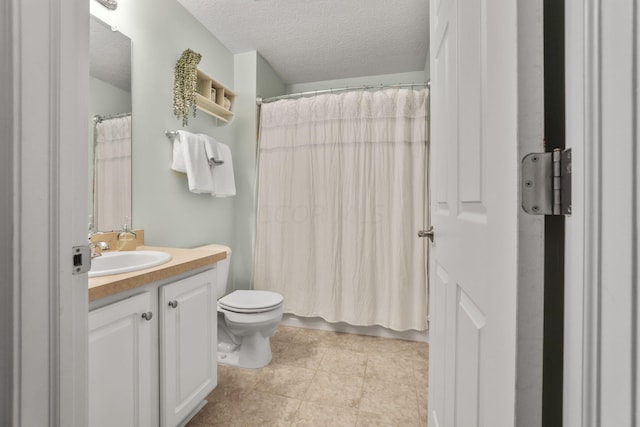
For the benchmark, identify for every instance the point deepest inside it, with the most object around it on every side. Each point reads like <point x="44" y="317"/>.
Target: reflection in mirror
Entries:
<point x="110" y="128"/>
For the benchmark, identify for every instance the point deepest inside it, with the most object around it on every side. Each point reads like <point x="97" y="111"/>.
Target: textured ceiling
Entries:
<point x="314" y="40"/>
<point x="110" y="55"/>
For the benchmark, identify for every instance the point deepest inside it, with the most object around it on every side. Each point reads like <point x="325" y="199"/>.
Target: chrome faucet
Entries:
<point x="97" y="247"/>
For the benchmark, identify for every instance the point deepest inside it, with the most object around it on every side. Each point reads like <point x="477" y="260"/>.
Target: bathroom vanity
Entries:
<point x="153" y="341"/>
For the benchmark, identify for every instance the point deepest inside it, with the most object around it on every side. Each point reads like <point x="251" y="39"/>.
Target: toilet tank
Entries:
<point x="222" y="267"/>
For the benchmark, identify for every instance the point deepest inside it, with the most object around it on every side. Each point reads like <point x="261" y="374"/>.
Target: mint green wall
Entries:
<point x="244" y="163"/>
<point x="410" y="77"/>
<point x="106" y="99"/>
<point x="427" y="69"/>
<point x="268" y="83"/>
<point x="253" y="77"/>
<point x="162" y="204"/>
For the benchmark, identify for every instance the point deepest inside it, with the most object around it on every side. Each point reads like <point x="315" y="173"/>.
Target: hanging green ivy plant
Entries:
<point x="185" y="83"/>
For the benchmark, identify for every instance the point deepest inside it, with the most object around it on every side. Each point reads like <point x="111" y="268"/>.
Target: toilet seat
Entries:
<point x="255" y="319"/>
<point x="244" y="301"/>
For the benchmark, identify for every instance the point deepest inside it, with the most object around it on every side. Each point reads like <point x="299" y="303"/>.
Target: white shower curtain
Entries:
<point x="341" y="194"/>
<point x="112" y="175"/>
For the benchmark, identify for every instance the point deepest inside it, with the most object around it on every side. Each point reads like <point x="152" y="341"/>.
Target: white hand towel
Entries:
<point x="190" y="157"/>
<point x="211" y="147"/>
<point x="224" y="184"/>
<point x="178" y="158"/>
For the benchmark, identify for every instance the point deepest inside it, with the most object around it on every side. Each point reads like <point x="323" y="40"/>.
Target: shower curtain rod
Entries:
<point x="97" y="118"/>
<point x="261" y="101"/>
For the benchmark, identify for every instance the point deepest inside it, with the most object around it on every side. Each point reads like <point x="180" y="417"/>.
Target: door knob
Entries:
<point x="147" y="316"/>
<point x="173" y="304"/>
<point x="426" y="233"/>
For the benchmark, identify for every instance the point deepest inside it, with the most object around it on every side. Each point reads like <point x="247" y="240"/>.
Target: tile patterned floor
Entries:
<point x="321" y="378"/>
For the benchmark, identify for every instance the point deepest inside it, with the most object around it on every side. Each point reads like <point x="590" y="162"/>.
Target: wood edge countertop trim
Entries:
<point x="182" y="261"/>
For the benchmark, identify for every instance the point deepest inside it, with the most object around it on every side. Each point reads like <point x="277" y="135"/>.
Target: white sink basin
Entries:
<point x="124" y="262"/>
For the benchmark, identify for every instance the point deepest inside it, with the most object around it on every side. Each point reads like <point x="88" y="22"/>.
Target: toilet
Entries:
<point x="246" y="320"/>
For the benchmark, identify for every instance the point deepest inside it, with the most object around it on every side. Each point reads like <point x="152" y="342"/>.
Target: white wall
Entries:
<point x="410" y="77"/>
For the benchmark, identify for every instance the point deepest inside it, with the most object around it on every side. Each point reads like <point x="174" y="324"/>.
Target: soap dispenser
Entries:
<point x="126" y="239"/>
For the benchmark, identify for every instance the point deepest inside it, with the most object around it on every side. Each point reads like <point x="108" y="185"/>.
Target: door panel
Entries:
<point x="474" y="181"/>
<point x="469" y="322"/>
<point x="441" y="73"/>
<point x="470" y="110"/>
<point x="439" y="282"/>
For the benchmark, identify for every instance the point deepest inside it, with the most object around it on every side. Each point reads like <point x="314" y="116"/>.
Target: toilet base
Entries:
<point x="254" y="352"/>
<point x="230" y="359"/>
<point x="243" y="339"/>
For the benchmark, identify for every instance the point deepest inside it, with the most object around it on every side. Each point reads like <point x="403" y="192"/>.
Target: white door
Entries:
<point x="120" y="363"/>
<point x="188" y="343"/>
<point x="43" y="84"/>
<point x="602" y="325"/>
<point x="473" y="271"/>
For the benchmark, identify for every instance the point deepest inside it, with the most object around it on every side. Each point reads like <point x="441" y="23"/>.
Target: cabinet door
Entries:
<point x="119" y="364"/>
<point x="188" y="345"/>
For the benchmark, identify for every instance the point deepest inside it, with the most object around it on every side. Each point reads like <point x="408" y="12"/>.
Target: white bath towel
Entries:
<point x="190" y="157"/>
<point x="224" y="184"/>
<point x="211" y="147"/>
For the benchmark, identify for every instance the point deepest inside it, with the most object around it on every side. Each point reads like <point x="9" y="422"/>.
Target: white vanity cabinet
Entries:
<point x="153" y="352"/>
<point x="188" y="346"/>
<point x="120" y="371"/>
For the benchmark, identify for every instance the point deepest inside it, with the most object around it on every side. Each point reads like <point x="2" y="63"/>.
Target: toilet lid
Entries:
<point x="250" y="301"/>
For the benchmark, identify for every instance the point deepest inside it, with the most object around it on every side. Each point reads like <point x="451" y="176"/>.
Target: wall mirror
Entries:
<point x="109" y="128"/>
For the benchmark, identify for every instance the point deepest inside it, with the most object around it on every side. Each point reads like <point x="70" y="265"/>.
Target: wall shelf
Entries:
<point x="214" y="98"/>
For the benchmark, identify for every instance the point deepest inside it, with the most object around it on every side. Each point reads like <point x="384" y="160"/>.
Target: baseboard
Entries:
<point x="376" y="331"/>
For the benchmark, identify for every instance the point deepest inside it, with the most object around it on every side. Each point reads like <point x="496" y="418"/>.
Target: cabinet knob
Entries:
<point x="147" y="316"/>
<point x="173" y="304"/>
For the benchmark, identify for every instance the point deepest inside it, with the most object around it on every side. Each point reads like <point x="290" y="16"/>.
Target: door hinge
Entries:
<point x="81" y="259"/>
<point x="546" y="183"/>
